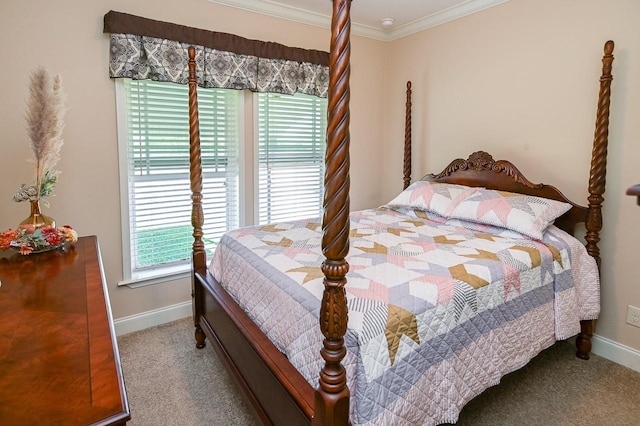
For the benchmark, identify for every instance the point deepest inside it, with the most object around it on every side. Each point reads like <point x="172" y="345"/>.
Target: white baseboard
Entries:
<point x="148" y="319"/>
<point x="616" y="352"/>
<point x="602" y="346"/>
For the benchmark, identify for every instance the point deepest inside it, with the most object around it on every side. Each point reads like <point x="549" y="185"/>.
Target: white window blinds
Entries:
<point x="291" y="146"/>
<point x="157" y="139"/>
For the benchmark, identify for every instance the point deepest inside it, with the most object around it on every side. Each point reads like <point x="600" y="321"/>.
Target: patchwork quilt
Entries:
<point x="438" y="310"/>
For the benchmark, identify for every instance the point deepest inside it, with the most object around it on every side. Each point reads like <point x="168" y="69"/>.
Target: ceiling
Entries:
<point x="409" y="16"/>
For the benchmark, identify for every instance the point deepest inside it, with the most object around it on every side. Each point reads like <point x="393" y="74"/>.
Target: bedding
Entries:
<point x="438" y="307"/>
<point x="521" y="213"/>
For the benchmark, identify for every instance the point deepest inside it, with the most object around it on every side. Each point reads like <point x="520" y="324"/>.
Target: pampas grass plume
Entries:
<point x="45" y="121"/>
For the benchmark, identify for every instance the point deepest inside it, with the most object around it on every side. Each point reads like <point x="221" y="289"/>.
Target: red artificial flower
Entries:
<point x="6" y="237"/>
<point x="51" y="235"/>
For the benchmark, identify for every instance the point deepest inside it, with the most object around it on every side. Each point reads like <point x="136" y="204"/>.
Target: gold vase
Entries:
<point x="37" y="219"/>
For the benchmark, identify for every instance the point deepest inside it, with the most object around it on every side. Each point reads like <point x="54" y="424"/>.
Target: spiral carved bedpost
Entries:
<point x="195" y="174"/>
<point x="195" y="171"/>
<point x="407" y="139"/>
<point x="597" y="185"/>
<point x="332" y="393"/>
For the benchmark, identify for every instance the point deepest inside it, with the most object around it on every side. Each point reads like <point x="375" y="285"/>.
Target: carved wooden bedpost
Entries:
<point x="332" y="393"/>
<point x="407" y="139"/>
<point x="597" y="185"/>
<point x="195" y="171"/>
<point x="199" y="258"/>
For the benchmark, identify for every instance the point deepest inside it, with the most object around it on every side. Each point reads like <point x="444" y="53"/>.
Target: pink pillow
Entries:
<point x="440" y="198"/>
<point x="525" y="214"/>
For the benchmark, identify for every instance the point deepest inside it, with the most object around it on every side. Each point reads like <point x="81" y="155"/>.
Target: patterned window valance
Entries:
<point x="143" y="48"/>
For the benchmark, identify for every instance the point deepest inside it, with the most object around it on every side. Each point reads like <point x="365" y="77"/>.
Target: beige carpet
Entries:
<point x="170" y="382"/>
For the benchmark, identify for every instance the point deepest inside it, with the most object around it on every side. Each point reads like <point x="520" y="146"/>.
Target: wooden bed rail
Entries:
<point x="332" y="394"/>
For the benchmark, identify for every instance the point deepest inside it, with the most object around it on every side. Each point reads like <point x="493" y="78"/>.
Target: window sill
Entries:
<point x="157" y="276"/>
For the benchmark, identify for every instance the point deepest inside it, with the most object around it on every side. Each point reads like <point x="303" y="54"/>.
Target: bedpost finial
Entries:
<point x="409" y="85"/>
<point x="608" y="47"/>
<point x="192" y="52"/>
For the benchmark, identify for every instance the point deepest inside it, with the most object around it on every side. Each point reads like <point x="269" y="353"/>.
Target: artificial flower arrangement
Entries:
<point x="27" y="239"/>
<point x="44" y="115"/>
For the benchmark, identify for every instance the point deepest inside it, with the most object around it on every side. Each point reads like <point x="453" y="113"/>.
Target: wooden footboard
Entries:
<point x="273" y="388"/>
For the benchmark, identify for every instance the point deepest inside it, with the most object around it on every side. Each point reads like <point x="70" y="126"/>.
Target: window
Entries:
<point x="154" y="162"/>
<point x="292" y="132"/>
<point x="155" y="172"/>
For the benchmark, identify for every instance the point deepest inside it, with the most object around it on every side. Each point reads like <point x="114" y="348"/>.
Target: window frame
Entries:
<point x="256" y="156"/>
<point x="159" y="273"/>
<point x="248" y="194"/>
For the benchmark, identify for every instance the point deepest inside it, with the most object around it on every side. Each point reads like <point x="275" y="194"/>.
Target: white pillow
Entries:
<point x="525" y="214"/>
<point x="440" y="198"/>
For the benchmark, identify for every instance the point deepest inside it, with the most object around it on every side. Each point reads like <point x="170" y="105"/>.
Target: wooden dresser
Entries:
<point x="59" y="362"/>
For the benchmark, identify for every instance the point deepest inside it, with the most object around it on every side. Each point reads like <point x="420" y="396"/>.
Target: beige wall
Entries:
<point x="520" y="81"/>
<point x="66" y="37"/>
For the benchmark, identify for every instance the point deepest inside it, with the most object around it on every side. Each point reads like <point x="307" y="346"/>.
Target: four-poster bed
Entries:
<point x="277" y="391"/>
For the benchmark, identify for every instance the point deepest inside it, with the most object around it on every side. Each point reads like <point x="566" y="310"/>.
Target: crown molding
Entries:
<point x="447" y="15"/>
<point x="278" y="10"/>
